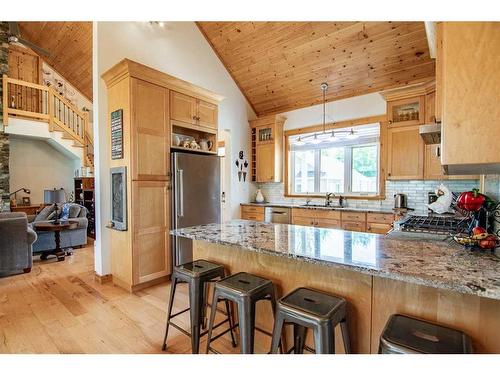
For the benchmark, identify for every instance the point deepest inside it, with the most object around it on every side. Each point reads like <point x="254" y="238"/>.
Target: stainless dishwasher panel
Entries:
<point x="277" y="215"/>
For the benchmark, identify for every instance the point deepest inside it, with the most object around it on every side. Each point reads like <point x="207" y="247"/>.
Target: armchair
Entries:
<point x="16" y="240"/>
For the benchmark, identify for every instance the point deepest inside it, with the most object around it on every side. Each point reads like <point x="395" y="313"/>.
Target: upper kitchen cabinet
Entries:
<point x="405" y="153"/>
<point x="407" y="111"/>
<point x="468" y="96"/>
<point x="192" y="110"/>
<point x="267" y="149"/>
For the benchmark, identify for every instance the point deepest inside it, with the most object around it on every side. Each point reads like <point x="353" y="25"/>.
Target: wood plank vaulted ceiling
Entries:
<point x="279" y="66"/>
<point x="70" y="47"/>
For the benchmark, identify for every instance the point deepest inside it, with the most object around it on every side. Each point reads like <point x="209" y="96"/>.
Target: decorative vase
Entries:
<point x="259" y="198"/>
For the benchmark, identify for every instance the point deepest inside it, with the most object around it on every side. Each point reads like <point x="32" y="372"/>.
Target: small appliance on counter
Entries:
<point x="259" y="198"/>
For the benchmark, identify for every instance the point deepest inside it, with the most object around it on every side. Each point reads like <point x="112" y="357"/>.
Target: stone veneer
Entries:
<point x="4" y="138"/>
<point x="416" y="190"/>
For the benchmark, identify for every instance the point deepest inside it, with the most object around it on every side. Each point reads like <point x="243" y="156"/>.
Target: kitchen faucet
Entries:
<point x="328" y="199"/>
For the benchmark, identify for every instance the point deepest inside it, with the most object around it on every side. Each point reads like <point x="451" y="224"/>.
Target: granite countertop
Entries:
<point x="438" y="264"/>
<point x="313" y="207"/>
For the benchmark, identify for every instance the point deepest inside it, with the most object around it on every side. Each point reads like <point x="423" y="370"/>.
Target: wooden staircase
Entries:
<point x="42" y="103"/>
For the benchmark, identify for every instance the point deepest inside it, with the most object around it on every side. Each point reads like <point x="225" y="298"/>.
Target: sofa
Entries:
<point x="16" y="240"/>
<point x="69" y="238"/>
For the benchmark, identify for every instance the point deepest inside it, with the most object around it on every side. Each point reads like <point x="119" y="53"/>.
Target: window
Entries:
<point x="343" y="163"/>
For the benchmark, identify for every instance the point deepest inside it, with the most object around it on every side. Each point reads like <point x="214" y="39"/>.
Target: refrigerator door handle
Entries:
<point x="180" y="193"/>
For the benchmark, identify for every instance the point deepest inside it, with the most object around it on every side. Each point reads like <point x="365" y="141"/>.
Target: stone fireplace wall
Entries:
<point x="4" y="138"/>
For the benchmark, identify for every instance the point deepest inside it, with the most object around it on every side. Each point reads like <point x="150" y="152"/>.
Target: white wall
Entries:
<point x="37" y="166"/>
<point x="345" y="109"/>
<point x="180" y="50"/>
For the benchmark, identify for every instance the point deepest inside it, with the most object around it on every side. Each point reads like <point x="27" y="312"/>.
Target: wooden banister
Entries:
<point x="34" y="101"/>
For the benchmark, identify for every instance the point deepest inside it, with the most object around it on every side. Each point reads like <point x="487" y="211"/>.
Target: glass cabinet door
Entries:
<point x="265" y="134"/>
<point x="406" y="111"/>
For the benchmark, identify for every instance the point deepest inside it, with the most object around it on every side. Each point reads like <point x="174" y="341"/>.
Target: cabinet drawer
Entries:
<point x="252" y="216"/>
<point x="317" y="214"/>
<point x="356" y="226"/>
<point x="252" y="209"/>
<point x="328" y="223"/>
<point x="378" y="228"/>
<point x="353" y="216"/>
<point x="380" y="218"/>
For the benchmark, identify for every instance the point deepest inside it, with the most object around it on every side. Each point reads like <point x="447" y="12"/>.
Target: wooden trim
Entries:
<point x="128" y="68"/>
<point x="68" y="131"/>
<point x="28" y="84"/>
<point x="382" y="120"/>
<point x="225" y="66"/>
<point x="337" y="125"/>
<point x="103" y="279"/>
<point x="36" y="115"/>
<point x="5" y="87"/>
<point x="187" y="125"/>
<point x="410" y="91"/>
<point x="147" y="284"/>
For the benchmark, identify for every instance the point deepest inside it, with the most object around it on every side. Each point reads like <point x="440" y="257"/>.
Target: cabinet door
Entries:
<point x="406" y="112"/>
<point x="430" y="108"/>
<point x="151" y="131"/>
<point x="378" y="228"/>
<point x="405" y="153"/>
<point x="265" y="134"/>
<point x="151" y="243"/>
<point x="355" y="226"/>
<point x="207" y="114"/>
<point x="439" y="72"/>
<point x="432" y="168"/>
<point x="265" y="163"/>
<point x="328" y="223"/>
<point x="305" y="221"/>
<point x="182" y="107"/>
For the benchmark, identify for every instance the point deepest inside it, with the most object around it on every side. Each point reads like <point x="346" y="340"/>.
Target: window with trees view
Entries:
<point x="344" y="163"/>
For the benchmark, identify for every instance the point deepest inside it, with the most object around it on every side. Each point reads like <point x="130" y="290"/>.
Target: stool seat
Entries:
<point x="244" y="284"/>
<point x="198" y="268"/>
<point x="314" y="302"/>
<point x="405" y="335"/>
<point x="311" y="309"/>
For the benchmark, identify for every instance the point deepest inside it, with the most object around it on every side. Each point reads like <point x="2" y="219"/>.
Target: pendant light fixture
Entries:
<point x="351" y="135"/>
<point x="299" y="142"/>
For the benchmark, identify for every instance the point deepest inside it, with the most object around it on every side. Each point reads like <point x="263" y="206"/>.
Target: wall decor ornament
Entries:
<point x="241" y="166"/>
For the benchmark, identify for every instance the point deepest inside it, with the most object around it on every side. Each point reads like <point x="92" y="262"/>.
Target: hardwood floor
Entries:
<point x="59" y="308"/>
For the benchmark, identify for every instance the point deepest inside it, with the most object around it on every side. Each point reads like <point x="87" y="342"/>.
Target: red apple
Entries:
<point x="478" y="230"/>
<point x="489" y="242"/>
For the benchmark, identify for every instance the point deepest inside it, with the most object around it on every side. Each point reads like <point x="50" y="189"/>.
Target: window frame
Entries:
<point x="382" y="155"/>
<point x="348" y="163"/>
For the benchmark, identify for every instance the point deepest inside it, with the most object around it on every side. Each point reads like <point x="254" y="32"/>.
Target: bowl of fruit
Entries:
<point x="479" y="238"/>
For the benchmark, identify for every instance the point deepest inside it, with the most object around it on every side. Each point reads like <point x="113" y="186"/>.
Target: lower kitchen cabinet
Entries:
<point x="252" y="213"/>
<point x="379" y="228"/>
<point x="355" y="226"/>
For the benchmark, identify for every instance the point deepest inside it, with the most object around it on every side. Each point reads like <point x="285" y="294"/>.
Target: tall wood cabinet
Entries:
<point x="267" y="149"/>
<point x="468" y="94"/>
<point x="141" y="255"/>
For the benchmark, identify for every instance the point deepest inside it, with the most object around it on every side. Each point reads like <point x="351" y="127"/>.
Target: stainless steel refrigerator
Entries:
<point x="196" y="197"/>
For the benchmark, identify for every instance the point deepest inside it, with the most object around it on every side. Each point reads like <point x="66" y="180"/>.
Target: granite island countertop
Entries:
<point x="439" y="264"/>
<point x="318" y="207"/>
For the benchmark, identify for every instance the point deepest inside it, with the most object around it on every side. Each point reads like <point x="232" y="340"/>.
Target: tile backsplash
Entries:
<point x="416" y="190"/>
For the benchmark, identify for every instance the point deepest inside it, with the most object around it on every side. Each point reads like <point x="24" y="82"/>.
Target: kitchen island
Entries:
<point x="378" y="276"/>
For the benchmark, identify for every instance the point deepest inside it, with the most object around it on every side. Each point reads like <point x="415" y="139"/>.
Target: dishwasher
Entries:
<point x="280" y="215"/>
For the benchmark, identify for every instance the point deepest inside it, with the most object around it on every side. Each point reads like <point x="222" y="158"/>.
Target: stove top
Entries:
<point x="434" y="224"/>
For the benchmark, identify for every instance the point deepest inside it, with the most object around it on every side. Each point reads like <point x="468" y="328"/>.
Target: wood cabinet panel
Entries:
<point x="252" y="209"/>
<point x="207" y="114"/>
<point x="265" y="162"/>
<point x="438" y="110"/>
<point x="471" y="93"/>
<point x="405" y="153"/>
<point x="379" y="228"/>
<point x="353" y="216"/>
<point x="380" y="218"/>
<point x="182" y="107"/>
<point x="302" y="220"/>
<point x="328" y="223"/>
<point x="317" y="214"/>
<point x="432" y="168"/>
<point x="356" y="226"/>
<point x="404" y="112"/>
<point x="430" y="108"/>
<point x="252" y="213"/>
<point x="151" y="129"/>
<point x="151" y="250"/>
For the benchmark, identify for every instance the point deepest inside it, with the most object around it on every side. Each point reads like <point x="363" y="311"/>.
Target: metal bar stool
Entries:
<point x="406" y="335"/>
<point x="197" y="275"/>
<point x="307" y="308"/>
<point x="245" y="290"/>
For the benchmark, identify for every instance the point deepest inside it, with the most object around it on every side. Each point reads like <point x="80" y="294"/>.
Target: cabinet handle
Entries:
<point x="438" y="151"/>
<point x="312" y="222"/>
<point x="194" y="117"/>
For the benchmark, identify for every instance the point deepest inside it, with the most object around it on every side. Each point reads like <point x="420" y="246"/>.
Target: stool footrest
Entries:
<point x="179" y="313"/>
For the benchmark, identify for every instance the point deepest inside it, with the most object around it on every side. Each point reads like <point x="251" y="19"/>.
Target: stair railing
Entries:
<point x="33" y="101"/>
